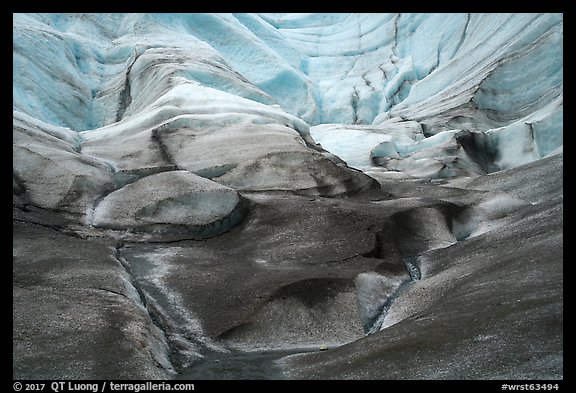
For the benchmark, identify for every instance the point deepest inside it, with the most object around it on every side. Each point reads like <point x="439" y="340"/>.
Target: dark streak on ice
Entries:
<point x="125" y="95"/>
<point x="463" y="36"/>
<point x="354" y="103"/>
<point x="126" y="266"/>
<point x="413" y="268"/>
<point x="164" y="151"/>
<point x="143" y="302"/>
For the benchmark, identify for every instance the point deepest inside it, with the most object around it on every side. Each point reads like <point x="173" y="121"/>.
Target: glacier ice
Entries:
<point x="444" y="72"/>
<point x="373" y="292"/>
<point x="170" y="200"/>
<point x="485" y="215"/>
<point x="141" y="104"/>
<point x="290" y="322"/>
<point x="160" y="127"/>
<point x="50" y="172"/>
<point x="352" y="144"/>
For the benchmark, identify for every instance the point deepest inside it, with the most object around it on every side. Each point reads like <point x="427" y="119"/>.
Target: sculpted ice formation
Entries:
<point x="145" y="105"/>
<point x="50" y="172"/>
<point x="187" y="187"/>
<point x="453" y="72"/>
<point x="168" y="201"/>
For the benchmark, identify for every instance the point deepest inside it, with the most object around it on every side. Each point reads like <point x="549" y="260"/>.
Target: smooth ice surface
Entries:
<point x="351" y="145"/>
<point x="176" y="198"/>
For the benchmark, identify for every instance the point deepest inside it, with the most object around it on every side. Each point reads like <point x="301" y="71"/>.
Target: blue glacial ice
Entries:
<point x="243" y="99"/>
<point x="156" y="127"/>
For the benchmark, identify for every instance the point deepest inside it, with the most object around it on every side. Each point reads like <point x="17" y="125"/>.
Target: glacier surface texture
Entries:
<point x="288" y="196"/>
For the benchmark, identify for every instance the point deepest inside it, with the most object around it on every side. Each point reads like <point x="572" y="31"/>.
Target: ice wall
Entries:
<point x="496" y="77"/>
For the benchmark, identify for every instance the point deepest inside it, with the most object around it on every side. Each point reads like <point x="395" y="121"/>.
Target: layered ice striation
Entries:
<point x="447" y="72"/>
<point x="143" y="99"/>
<point x="103" y="100"/>
<point x="141" y="128"/>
